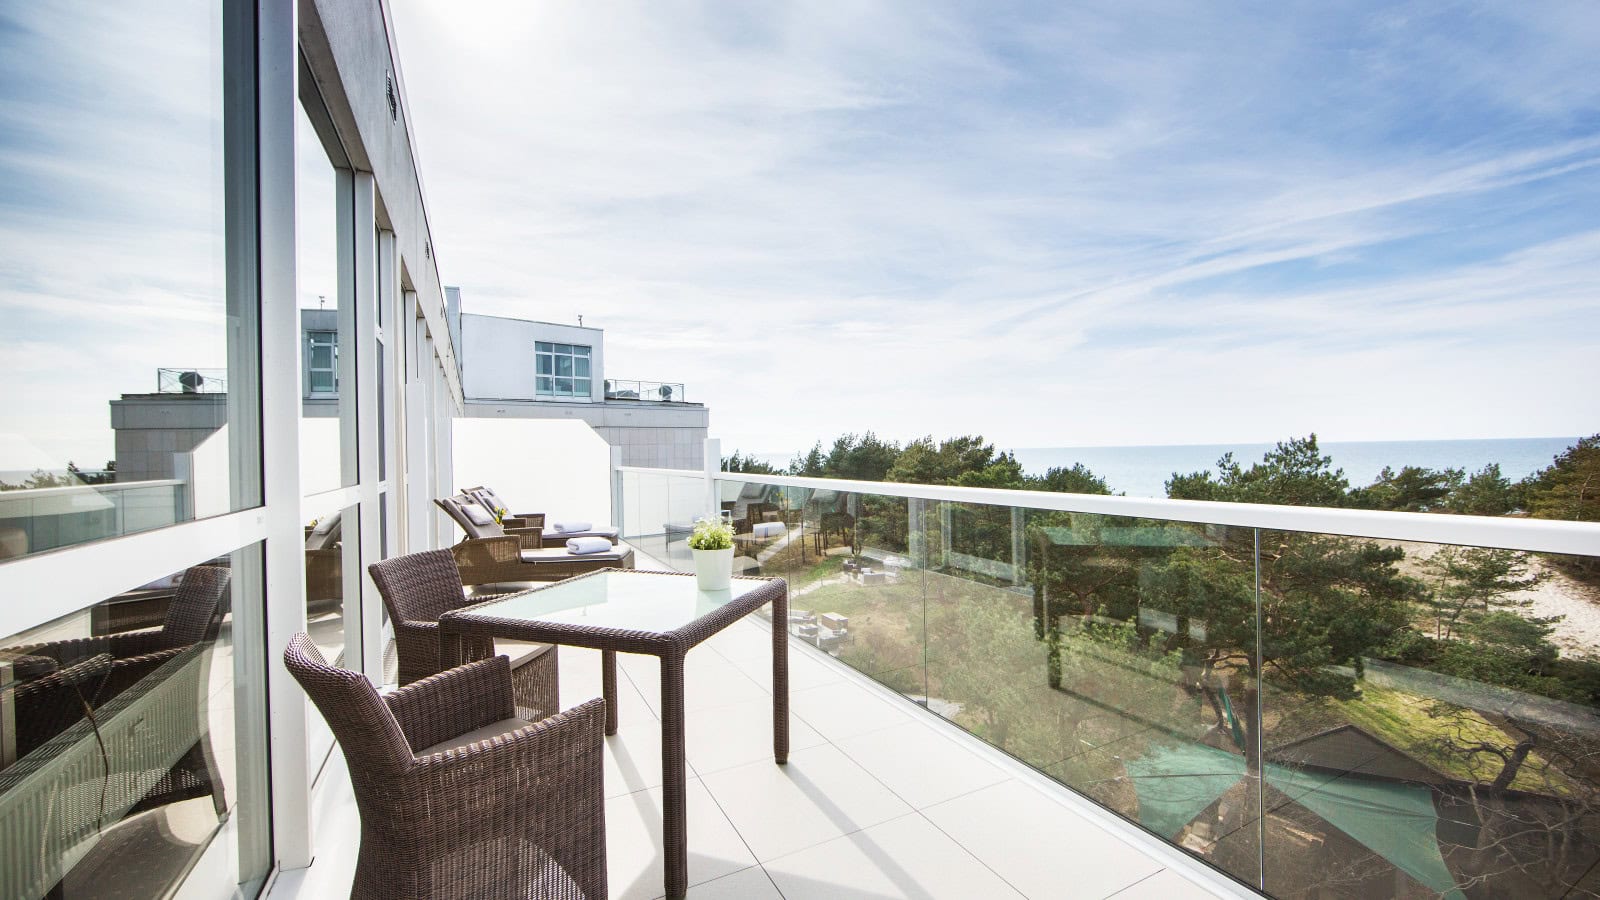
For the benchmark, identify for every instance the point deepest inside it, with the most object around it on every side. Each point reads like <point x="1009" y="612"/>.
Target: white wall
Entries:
<point x="497" y="356"/>
<point x="552" y="466"/>
<point x="209" y="469"/>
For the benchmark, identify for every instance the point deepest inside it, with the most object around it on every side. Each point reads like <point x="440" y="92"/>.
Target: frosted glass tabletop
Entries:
<point x="628" y="601"/>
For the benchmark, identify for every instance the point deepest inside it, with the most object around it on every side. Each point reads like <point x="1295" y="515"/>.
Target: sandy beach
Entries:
<point x="1577" y="634"/>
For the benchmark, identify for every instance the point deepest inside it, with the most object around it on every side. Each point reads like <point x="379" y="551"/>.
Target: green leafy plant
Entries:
<point x="711" y="534"/>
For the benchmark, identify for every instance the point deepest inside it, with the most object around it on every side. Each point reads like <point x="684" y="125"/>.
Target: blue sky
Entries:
<point x="1054" y="224"/>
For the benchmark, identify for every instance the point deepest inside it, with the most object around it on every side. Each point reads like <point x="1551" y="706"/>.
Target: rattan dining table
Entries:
<point x="662" y="614"/>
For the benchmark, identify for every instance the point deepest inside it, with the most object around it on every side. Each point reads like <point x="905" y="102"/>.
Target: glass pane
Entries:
<point x="544" y="385"/>
<point x="1114" y="654"/>
<point x="332" y="575"/>
<point x="580" y="367"/>
<point x="565" y="349"/>
<point x="580" y="387"/>
<point x="580" y="351"/>
<point x="544" y="365"/>
<point x="1439" y="736"/>
<point x="564" y="365"/>
<point x="164" y="682"/>
<point x="542" y="346"/>
<point x="326" y="300"/>
<point x="115" y="202"/>
<point x="563" y="387"/>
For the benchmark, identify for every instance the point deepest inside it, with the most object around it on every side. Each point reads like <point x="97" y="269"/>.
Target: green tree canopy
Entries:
<point x="747" y="463"/>
<point x="1570" y="487"/>
<point x="1294" y="473"/>
<point x="1412" y="489"/>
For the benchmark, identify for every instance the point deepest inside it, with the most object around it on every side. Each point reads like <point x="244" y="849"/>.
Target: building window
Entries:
<point x="322" y="362"/>
<point x="561" y="370"/>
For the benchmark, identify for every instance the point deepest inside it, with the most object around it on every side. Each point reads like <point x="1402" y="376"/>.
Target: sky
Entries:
<point x="1051" y="224"/>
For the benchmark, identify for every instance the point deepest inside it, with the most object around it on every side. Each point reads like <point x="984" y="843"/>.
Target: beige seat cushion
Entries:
<point x="493" y="729"/>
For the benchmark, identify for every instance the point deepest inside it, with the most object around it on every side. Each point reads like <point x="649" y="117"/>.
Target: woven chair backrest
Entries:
<point x="419" y="587"/>
<point x="367" y="731"/>
<point x="195" y="612"/>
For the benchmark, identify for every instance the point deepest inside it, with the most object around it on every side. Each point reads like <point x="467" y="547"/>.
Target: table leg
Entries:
<point x="780" y="679"/>
<point x="608" y="687"/>
<point x="449" y="649"/>
<point x="674" y="817"/>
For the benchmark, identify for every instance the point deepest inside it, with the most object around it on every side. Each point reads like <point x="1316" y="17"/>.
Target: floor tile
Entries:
<point x="1164" y="885"/>
<point x="1038" y="842"/>
<point x="905" y="857"/>
<point x="754" y="659"/>
<point x="634" y="843"/>
<point x="818" y="796"/>
<point x="920" y="765"/>
<point x="581" y="680"/>
<point x="708" y="680"/>
<point x="844" y="710"/>
<point x="746" y="884"/>
<point x="633" y="758"/>
<point x="726" y="736"/>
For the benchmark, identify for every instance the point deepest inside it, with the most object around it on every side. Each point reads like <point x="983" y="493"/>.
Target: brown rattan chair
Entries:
<point x="458" y="798"/>
<point x="194" y="615"/>
<point x="416" y="589"/>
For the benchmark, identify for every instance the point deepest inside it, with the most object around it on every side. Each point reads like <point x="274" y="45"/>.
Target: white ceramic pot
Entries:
<point x="713" y="569"/>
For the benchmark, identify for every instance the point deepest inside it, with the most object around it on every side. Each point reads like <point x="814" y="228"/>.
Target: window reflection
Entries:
<point x="113" y="275"/>
<point x="117" y="737"/>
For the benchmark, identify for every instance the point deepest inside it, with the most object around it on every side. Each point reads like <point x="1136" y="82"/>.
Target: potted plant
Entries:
<point x="712" y="543"/>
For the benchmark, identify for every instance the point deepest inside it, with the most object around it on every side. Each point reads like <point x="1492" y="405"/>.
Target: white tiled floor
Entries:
<point x="880" y="799"/>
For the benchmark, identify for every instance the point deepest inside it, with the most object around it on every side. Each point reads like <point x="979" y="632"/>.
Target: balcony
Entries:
<point x="878" y="799"/>
<point x="652" y="391"/>
<point x="1314" y="701"/>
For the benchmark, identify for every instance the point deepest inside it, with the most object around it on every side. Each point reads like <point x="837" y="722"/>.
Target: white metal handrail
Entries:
<point x="1537" y="535"/>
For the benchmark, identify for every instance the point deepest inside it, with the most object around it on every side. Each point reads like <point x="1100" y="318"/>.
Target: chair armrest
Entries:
<point x="454" y="702"/>
<point x="543" y="784"/>
<point x="66" y="652"/>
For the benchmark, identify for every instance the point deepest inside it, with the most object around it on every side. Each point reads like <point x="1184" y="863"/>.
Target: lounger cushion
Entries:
<point x="477" y="514"/>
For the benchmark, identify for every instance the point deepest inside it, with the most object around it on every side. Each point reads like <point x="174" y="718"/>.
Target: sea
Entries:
<point x="1143" y="471"/>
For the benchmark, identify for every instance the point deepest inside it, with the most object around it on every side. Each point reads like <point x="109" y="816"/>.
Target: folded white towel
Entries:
<point x="582" y="545"/>
<point x="569" y="525"/>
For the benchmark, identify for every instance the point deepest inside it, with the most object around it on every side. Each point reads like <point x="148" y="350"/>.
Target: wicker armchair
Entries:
<point x="194" y="615"/>
<point x="52" y="703"/>
<point x="416" y="589"/>
<point x="458" y="798"/>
